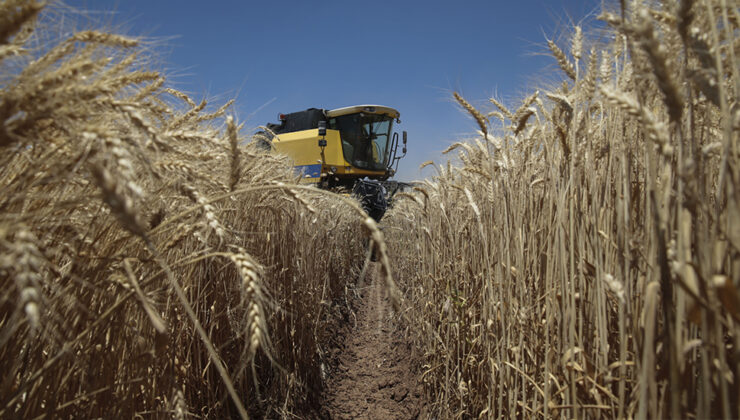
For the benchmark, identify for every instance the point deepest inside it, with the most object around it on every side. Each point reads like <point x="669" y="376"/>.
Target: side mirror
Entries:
<point x="405" y="139"/>
<point x="404" y="150"/>
<point x="322" y="128"/>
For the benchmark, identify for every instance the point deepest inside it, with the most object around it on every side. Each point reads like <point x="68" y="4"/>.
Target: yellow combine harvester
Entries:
<point x="336" y="149"/>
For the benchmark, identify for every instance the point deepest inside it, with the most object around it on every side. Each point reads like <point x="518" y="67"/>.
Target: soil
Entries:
<point x="371" y="375"/>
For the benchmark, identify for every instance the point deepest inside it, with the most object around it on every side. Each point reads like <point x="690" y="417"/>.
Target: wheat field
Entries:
<point x="152" y="261"/>
<point x="579" y="258"/>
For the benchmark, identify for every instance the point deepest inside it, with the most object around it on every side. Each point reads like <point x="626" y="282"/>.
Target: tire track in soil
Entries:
<point x="374" y="378"/>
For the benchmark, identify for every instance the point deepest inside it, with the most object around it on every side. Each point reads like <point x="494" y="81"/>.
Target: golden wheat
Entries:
<point x="122" y="202"/>
<point x="583" y="269"/>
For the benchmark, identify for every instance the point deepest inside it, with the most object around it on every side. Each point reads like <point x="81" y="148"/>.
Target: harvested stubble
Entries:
<point x="585" y="263"/>
<point x="150" y="264"/>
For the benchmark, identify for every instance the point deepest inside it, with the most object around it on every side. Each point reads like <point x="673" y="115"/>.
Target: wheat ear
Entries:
<point x="563" y="61"/>
<point x="231" y="131"/>
<point x="479" y="118"/>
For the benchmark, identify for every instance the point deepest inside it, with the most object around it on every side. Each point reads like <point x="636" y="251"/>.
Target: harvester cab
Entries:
<point x="351" y="149"/>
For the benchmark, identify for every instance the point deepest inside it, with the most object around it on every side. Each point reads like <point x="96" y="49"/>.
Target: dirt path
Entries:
<point x="374" y="377"/>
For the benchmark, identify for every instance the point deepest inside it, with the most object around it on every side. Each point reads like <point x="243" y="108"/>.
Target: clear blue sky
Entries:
<point x="284" y="56"/>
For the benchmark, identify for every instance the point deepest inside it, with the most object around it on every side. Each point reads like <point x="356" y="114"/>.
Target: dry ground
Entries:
<point x="373" y="377"/>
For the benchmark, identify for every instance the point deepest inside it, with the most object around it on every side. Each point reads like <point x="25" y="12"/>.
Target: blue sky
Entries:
<point x="285" y="56"/>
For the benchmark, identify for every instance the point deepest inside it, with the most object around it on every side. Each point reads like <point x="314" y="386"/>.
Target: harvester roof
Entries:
<point x="369" y="109"/>
<point x="309" y="119"/>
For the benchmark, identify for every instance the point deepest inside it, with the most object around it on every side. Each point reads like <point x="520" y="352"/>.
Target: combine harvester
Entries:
<point x="347" y="150"/>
